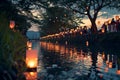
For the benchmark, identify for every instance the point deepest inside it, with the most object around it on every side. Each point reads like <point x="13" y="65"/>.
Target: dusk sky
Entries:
<point x="104" y="15"/>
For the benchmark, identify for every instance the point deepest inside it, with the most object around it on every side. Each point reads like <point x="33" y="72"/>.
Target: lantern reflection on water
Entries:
<point x="31" y="75"/>
<point x="118" y="72"/>
<point x="31" y="58"/>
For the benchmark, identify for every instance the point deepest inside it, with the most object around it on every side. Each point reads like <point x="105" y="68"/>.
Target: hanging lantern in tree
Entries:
<point x="12" y="24"/>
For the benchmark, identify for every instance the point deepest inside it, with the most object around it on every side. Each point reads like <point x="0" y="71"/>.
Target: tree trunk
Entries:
<point x="93" y="26"/>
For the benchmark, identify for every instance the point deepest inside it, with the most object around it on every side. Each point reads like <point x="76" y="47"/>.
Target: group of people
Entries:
<point x="111" y="26"/>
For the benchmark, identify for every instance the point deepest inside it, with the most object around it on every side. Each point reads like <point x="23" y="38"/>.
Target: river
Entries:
<point x="67" y="62"/>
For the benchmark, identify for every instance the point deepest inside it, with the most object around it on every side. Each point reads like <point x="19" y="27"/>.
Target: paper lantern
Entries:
<point x="32" y="58"/>
<point x="12" y="24"/>
<point x="31" y="75"/>
<point x="102" y="30"/>
<point x="110" y="65"/>
<point x="80" y="32"/>
<point x="87" y="43"/>
<point x="117" y="17"/>
<point x="29" y="44"/>
<point x="118" y="72"/>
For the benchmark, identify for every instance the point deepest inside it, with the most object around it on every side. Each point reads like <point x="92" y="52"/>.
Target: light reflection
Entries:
<point x="104" y="63"/>
<point x="31" y="75"/>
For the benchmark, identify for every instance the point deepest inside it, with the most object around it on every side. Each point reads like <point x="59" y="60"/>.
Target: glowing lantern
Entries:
<point x="80" y="32"/>
<point x="12" y="24"/>
<point x="110" y="65"/>
<point x="103" y="56"/>
<point x="29" y="44"/>
<point x="117" y="17"/>
<point x="87" y="43"/>
<point x="31" y="58"/>
<point x="102" y="30"/>
<point x="31" y="75"/>
<point x="118" y="72"/>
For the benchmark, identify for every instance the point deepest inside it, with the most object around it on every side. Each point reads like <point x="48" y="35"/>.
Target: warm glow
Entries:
<point x="103" y="56"/>
<point x="32" y="58"/>
<point x="118" y="72"/>
<point x="102" y="30"/>
<point x="81" y="33"/>
<point x="87" y="43"/>
<point x="31" y="64"/>
<point x="110" y="65"/>
<point x="29" y="44"/>
<point x="31" y="75"/>
<point x="12" y="24"/>
<point x="117" y="17"/>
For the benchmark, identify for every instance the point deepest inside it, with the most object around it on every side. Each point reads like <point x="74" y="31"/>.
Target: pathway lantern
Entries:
<point x="32" y="58"/>
<point x="12" y="24"/>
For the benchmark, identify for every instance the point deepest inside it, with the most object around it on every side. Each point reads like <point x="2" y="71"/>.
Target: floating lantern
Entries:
<point x="31" y="58"/>
<point x="12" y="24"/>
<point x="29" y="44"/>
<point x="110" y="65"/>
<point x="118" y="72"/>
<point x="98" y="22"/>
<point x="117" y="17"/>
<point x="102" y="30"/>
<point x="103" y="55"/>
<point x="80" y="32"/>
<point x="87" y="43"/>
<point x="31" y="75"/>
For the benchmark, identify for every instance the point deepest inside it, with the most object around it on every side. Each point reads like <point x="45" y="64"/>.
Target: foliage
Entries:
<point x="12" y="50"/>
<point x="59" y="19"/>
<point x="90" y="8"/>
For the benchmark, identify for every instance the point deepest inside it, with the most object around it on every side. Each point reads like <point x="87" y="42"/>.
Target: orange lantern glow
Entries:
<point x="102" y="30"/>
<point x="31" y="75"/>
<point x="117" y="17"/>
<point x="29" y="44"/>
<point x="80" y="32"/>
<point x="32" y="58"/>
<point x="118" y="72"/>
<point x="12" y="24"/>
<point x="103" y="55"/>
<point x="87" y="43"/>
<point x="110" y="65"/>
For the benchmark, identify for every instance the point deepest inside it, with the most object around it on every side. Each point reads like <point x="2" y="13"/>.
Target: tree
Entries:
<point x="59" y="19"/>
<point x="90" y="8"/>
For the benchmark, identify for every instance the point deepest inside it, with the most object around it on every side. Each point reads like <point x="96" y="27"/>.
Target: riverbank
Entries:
<point x="104" y="39"/>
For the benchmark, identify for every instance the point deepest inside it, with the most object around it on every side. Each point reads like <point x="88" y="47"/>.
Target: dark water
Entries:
<point x="65" y="62"/>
